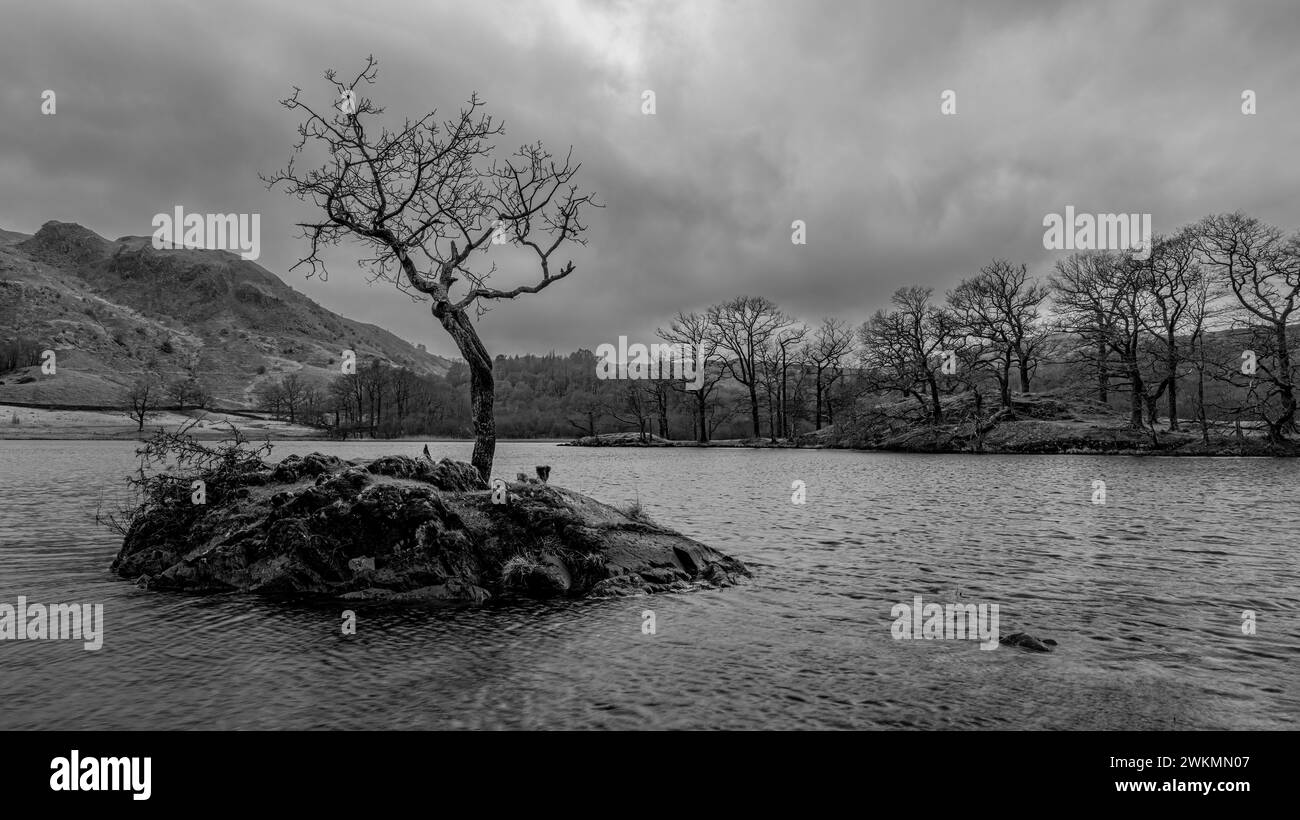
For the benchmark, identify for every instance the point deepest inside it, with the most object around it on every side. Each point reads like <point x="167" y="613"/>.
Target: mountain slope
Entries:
<point x="115" y="309"/>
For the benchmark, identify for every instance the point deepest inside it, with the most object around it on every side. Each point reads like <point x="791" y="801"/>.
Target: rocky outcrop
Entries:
<point x="620" y="440"/>
<point x="1034" y="424"/>
<point x="400" y="528"/>
<point x="1024" y="640"/>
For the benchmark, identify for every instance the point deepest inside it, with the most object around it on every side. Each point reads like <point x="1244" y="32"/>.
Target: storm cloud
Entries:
<point x="766" y="113"/>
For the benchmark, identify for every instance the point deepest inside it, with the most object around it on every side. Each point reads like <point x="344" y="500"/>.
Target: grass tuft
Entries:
<point x="517" y="569"/>
<point x="636" y="512"/>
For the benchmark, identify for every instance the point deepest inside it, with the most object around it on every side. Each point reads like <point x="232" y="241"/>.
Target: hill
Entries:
<point x="113" y="310"/>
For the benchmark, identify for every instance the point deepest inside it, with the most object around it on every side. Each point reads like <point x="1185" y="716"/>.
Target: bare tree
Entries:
<point x="661" y="400"/>
<point x="589" y="397"/>
<point x="903" y="349"/>
<point x="1000" y="310"/>
<point x="632" y="404"/>
<point x="373" y="382"/>
<point x="777" y="357"/>
<point x="313" y="404"/>
<point x="270" y="397"/>
<point x="1262" y="269"/>
<point x="431" y="193"/>
<point x="591" y="406"/>
<point x="188" y="390"/>
<point x="143" y="397"/>
<point x="696" y="332"/>
<point x="292" y="393"/>
<point x="831" y="343"/>
<point x="741" y="328"/>
<point x="1174" y="278"/>
<point x="1102" y="296"/>
<point x="1204" y="307"/>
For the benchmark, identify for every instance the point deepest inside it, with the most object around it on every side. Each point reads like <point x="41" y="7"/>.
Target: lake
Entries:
<point x="1144" y="594"/>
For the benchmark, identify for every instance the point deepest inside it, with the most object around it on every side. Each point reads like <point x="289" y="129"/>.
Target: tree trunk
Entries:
<point x="481" y="385"/>
<point x="1173" y="405"/>
<point x="1024" y="375"/>
<point x="780" y="409"/>
<point x="1136" y="395"/>
<point x="1101" y="373"/>
<point x="1171" y="363"/>
<point x="771" y="417"/>
<point x="701" y="410"/>
<point x="934" y="397"/>
<point x="817" y="417"/>
<point x="753" y="407"/>
<point x="1286" y="423"/>
<point x="1200" y="400"/>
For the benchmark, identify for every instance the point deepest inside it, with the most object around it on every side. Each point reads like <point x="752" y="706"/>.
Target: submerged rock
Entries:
<point x="1024" y="640"/>
<point x="399" y="528"/>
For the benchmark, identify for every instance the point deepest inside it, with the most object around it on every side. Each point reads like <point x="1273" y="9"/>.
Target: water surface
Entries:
<point x="1144" y="594"/>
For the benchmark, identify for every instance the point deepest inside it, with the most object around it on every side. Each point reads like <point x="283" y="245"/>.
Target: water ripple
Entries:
<point x="1145" y="595"/>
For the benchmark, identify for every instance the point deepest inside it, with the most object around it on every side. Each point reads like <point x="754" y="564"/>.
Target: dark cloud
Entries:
<point x="767" y="113"/>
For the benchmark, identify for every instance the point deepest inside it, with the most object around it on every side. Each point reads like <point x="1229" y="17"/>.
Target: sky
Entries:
<point x="765" y="113"/>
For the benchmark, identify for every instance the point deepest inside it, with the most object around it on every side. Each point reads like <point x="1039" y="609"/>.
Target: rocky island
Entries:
<point x="401" y="529"/>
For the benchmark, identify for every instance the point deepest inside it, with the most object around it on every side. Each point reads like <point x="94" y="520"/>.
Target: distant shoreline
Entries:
<point x="1026" y="437"/>
<point x="901" y="450"/>
<point x="78" y="424"/>
<point x="1019" y="437"/>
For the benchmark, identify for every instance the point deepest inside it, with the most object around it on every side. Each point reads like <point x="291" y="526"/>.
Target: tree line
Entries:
<point x="1196" y="332"/>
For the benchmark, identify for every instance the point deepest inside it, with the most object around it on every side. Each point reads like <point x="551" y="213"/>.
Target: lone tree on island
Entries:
<point x="433" y="191"/>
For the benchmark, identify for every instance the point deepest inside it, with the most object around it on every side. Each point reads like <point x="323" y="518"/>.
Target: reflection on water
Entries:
<point x="1144" y="594"/>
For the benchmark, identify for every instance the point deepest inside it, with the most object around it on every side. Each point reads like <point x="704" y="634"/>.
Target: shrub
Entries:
<point x="636" y="512"/>
<point x="516" y="571"/>
<point x="171" y="462"/>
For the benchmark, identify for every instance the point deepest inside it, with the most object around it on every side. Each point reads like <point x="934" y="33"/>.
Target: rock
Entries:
<point x="445" y="474"/>
<point x="620" y="440"/>
<point x="363" y="564"/>
<point x="295" y="467"/>
<point x="1024" y="640"/>
<point x="405" y="529"/>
